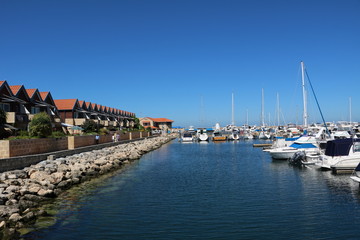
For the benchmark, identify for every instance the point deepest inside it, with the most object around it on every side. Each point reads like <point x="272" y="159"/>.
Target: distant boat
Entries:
<point x="202" y="135"/>
<point x="217" y="135"/>
<point x="187" y="137"/>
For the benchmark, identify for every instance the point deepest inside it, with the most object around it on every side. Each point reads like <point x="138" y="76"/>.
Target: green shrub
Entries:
<point x="103" y="131"/>
<point x="89" y="126"/>
<point x="40" y="126"/>
<point x="23" y="133"/>
<point x="58" y="134"/>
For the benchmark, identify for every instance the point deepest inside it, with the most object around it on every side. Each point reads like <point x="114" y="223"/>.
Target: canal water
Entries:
<point x="226" y="190"/>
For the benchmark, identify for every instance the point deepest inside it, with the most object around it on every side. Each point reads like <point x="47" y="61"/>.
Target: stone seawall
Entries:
<point x="22" y="191"/>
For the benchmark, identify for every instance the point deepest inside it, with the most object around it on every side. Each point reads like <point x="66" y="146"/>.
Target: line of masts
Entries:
<point x="305" y="112"/>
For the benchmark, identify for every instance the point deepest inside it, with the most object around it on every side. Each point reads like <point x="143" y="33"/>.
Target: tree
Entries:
<point x="3" y="132"/>
<point x="136" y="123"/>
<point x="3" y="116"/>
<point x="40" y="126"/>
<point x="89" y="126"/>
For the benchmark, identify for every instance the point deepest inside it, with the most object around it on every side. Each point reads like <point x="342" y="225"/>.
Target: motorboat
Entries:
<point x="281" y="142"/>
<point x="304" y="143"/>
<point x="232" y="132"/>
<point x="187" y="137"/>
<point x="234" y="135"/>
<point x="202" y="135"/>
<point x="218" y="136"/>
<point x="340" y="154"/>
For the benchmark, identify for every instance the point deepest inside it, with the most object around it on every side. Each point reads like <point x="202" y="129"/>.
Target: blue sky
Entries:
<point x="183" y="59"/>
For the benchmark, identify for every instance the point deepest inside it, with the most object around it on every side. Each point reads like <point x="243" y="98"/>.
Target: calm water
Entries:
<point x="210" y="190"/>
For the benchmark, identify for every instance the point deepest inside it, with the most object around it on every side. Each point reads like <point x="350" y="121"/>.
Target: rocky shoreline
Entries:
<point x="23" y="191"/>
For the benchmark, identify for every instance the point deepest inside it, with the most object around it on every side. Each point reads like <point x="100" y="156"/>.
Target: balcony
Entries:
<point x="13" y="117"/>
<point x="79" y="121"/>
<point x="10" y="117"/>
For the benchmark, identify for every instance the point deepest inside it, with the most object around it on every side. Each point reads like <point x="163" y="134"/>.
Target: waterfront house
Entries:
<point x="22" y="104"/>
<point x="70" y="112"/>
<point x="16" y="107"/>
<point x="163" y="124"/>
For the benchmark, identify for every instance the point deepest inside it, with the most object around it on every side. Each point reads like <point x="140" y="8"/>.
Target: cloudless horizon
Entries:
<point x="184" y="59"/>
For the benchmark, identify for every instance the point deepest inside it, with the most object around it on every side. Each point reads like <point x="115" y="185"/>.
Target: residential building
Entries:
<point x="163" y="124"/>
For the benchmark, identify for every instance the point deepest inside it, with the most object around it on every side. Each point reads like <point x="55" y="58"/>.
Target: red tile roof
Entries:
<point x="15" y="89"/>
<point x="31" y="92"/>
<point x="161" y="119"/>
<point x="44" y="95"/>
<point x="94" y="105"/>
<point x="65" y="104"/>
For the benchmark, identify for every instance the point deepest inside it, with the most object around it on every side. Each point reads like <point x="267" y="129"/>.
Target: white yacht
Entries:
<point x="202" y="135"/>
<point x="305" y="143"/>
<point x="340" y="154"/>
<point x="187" y="137"/>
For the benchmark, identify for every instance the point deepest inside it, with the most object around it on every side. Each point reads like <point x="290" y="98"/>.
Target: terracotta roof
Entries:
<point x="65" y="104"/>
<point x="160" y="119"/>
<point x="15" y="89"/>
<point x="94" y="105"/>
<point x="44" y="95"/>
<point x="31" y="92"/>
<point x="2" y="82"/>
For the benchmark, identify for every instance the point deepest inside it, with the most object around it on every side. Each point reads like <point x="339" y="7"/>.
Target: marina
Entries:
<point x="227" y="190"/>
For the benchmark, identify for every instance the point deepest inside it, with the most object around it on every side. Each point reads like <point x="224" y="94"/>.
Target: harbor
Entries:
<point x="227" y="190"/>
<point x="184" y="120"/>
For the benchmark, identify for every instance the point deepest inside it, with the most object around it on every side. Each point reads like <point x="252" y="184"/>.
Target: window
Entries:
<point x="5" y="107"/>
<point x="356" y="146"/>
<point x="35" y="110"/>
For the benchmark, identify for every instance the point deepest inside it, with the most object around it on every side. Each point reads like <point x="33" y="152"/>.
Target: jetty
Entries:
<point x="262" y="145"/>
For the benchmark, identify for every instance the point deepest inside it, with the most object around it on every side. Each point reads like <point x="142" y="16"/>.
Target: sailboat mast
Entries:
<point x="350" y="110"/>
<point x="262" y="108"/>
<point x="232" y="110"/>
<point x="304" y="94"/>
<point x="278" y="109"/>
<point x="247" y="117"/>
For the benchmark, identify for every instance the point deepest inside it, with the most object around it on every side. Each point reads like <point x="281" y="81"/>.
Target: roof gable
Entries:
<point x="94" y="107"/>
<point x="19" y="91"/>
<point x="5" y="89"/>
<point x="66" y="104"/>
<point x="89" y="106"/>
<point x="47" y="97"/>
<point x="34" y="94"/>
<point x="82" y="105"/>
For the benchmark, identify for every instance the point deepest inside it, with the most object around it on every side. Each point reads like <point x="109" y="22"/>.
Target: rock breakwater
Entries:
<point x="23" y="191"/>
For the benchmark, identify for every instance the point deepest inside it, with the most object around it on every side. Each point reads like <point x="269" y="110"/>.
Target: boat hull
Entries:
<point x="219" y="138"/>
<point x="282" y="154"/>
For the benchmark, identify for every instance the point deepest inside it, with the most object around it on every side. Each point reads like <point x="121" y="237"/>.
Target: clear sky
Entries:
<point x="182" y="59"/>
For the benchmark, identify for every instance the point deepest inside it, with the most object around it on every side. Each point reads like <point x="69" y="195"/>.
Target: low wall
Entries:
<point x="82" y="141"/>
<point x="21" y="147"/>
<point x="7" y="164"/>
<point x="24" y="147"/>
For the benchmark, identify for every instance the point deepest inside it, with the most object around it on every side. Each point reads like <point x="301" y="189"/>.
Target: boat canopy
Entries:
<point x="187" y="135"/>
<point x="292" y="139"/>
<point x="339" y="147"/>
<point x="302" y="145"/>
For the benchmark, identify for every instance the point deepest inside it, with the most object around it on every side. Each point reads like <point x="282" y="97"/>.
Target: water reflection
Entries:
<point x="210" y="190"/>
